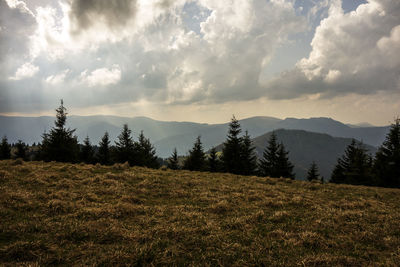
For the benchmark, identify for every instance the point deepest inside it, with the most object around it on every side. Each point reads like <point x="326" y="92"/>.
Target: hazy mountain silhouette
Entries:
<point x="167" y="135"/>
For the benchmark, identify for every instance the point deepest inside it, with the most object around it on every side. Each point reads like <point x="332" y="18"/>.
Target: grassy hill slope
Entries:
<point x="54" y="213"/>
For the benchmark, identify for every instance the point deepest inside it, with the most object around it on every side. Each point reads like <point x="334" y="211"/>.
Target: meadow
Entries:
<point x="76" y="214"/>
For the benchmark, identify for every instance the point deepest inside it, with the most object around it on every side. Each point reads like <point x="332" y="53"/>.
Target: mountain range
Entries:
<point x="322" y="140"/>
<point x="165" y="135"/>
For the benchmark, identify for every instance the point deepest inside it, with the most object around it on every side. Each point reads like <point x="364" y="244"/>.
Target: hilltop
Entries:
<point x="66" y="214"/>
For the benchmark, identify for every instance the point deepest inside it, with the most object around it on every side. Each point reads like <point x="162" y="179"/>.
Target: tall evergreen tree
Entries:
<point x="104" y="150"/>
<point x="214" y="164"/>
<point x="87" y="152"/>
<point x="21" y="150"/>
<point x="248" y="156"/>
<point x="312" y="173"/>
<point x="196" y="159"/>
<point x="5" y="149"/>
<point x="231" y="152"/>
<point x="354" y="167"/>
<point x="275" y="161"/>
<point x="268" y="164"/>
<point x="284" y="167"/>
<point x="146" y="153"/>
<point x="60" y="144"/>
<point x="387" y="159"/>
<point x="173" y="163"/>
<point x="125" y="147"/>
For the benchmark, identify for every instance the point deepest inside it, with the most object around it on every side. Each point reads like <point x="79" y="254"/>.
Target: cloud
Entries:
<point x="237" y="41"/>
<point x="354" y="52"/>
<point x="102" y="76"/>
<point x="17" y="25"/>
<point x="20" y="5"/>
<point x="58" y="78"/>
<point x="162" y="59"/>
<point x="25" y="71"/>
<point x="85" y="13"/>
<point x="155" y="51"/>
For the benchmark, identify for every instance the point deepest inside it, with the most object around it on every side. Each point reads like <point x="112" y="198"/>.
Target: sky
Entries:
<point x="202" y="60"/>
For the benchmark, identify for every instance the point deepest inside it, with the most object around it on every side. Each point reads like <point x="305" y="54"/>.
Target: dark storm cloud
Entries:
<point x="115" y="13"/>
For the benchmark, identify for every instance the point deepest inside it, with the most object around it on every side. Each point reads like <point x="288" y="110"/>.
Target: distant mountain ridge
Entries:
<point x="166" y="135"/>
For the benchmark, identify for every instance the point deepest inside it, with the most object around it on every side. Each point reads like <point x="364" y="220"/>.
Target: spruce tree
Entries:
<point x="86" y="153"/>
<point x="145" y="153"/>
<point x="5" y="149"/>
<point x="173" y="163"/>
<point x="214" y="164"/>
<point x="354" y="167"/>
<point x="248" y="156"/>
<point x="104" y="150"/>
<point x="21" y="150"/>
<point x="60" y="144"/>
<point x="284" y="167"/>
<point x="125" y="147"/>
<point x="196" y="158"/>
<point x="268" y="164"/>
<point x="312" y="173"/>
<point x="387" y="159"/>
<point x="231" y="152"/>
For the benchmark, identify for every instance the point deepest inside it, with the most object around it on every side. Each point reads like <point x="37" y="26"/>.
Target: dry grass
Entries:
<point x="63" y="214"/>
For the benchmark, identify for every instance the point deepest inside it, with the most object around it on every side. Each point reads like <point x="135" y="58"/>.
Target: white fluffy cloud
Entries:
<point x="102" y="76"/>
<point x="354" y="52"/>
<point x="25" y="71"/>
<point x="57" y="79"/>
<point x="163" y="59"/>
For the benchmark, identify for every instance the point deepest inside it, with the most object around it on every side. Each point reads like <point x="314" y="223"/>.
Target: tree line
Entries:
<point x="358" y="167"/>
<point x="236" y="155"/>
<point x="60" y="144"/>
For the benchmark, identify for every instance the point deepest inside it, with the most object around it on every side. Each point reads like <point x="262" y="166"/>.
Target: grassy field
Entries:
<point x="65" y="214"/>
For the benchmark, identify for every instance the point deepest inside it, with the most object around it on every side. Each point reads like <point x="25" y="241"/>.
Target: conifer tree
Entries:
<point x="387" y="159"/>
<point x="173" y="163"/>
<point x="354" y="167"/>
<point x="5" y="149"/>
<point x="268" y="164"/>
<point x="248" y="157"/>
<point x="275" y="161"/>
<point x="214" y="164"/>
<point x="86" y="153"/>
<point x="196" y="158"/>
<point x="145" y="153"/>
<point x="104" y="150"/>
<point x="60" y="144"/>
<point x="125" y="147"/>
<point x="231" y="152"/>
<point x="21" y="150"/>
<point x="312" y="173"/>
<point x="284" y="167"/>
